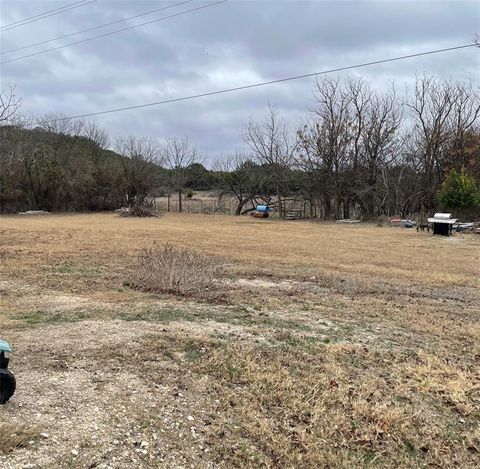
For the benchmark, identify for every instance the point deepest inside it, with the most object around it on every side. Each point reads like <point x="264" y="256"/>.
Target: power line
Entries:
<point x="24" y="20"/>
<point x="114" y="32"/>
<point x="46" y="14"/>
<point x="265" y="83"/>
<point x="95" y="27"/>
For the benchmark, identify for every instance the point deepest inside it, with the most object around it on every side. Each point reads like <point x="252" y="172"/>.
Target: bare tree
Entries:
<point x="465" y="124"/>
<point x="64" y="137"/>
<point x="178" y="154"/>
<point x="350" y="137"/>
<point x="64" y="133"/>
<point x="98" y="140"/>
<point x="141" y="157"/>
<point x="246" y="180"/>
<point x="9" y="105"/>
<point x="58" y="123"/>
<point x="272" y="145"/>
<point x="380" y="146"/>
<point x="432" y="108"/>
<point x="9" y="147"/>
<point x="99" y="178"/>
<point x="324" y="143"/>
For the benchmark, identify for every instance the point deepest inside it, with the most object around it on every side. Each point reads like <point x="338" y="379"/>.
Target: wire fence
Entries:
<point x="208" y="206"/>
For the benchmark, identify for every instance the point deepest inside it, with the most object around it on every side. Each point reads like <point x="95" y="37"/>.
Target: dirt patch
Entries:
<point x="264" y="283"/>
<point x="86" y="388"/>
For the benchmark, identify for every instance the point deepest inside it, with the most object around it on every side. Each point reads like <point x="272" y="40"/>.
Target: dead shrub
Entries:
<point x="382" y="220"/>
<point x="140" y="211"/>
<point x="178" y="271"/>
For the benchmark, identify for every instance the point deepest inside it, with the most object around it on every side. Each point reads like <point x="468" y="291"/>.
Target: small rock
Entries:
<point x="116" y="442"/>
<point x="44" y="435"/>
<point x="74" y="452"/>
<point x="190" y="418"/>
<point x="144" y="444"/>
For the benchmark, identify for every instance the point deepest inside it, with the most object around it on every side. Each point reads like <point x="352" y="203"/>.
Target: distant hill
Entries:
<point x="44" y="170"/>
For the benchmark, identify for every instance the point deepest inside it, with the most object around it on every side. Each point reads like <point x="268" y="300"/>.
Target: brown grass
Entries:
<point x="395" y="274"/>
<point x="14" y="436"/>
<point x="296" y="407"/>
<point x="340" y="346"/>
<point x="259" y="246"/>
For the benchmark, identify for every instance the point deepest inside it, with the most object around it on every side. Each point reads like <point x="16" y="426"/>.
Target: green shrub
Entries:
<point x="459" y="191"/>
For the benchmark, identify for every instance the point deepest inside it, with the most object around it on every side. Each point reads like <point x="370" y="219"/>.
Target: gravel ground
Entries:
<point x="94" y="412"/>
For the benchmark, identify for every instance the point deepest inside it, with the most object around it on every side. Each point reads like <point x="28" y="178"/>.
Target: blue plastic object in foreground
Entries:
<point x="8" y="383"/>
<point x="5" y="346"/>
<point x="263" y="208"/>
<point x="5" y="351"/>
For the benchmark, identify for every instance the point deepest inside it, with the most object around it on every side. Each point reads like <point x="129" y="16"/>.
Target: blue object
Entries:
<point x="5" y="346"/>
<point x="8" y="383"/>
<point x="5" y="351"/>
<point x="263" y="208"/>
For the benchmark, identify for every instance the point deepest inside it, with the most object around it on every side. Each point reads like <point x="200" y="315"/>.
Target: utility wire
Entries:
<point x="114" y="32"/>
<point x="46" y="14"/>
<point x="265" y="83"/>
<point x="95" y="27"/>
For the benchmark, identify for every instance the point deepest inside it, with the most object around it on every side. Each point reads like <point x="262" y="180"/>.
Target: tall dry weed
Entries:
<point x="179" y="271"/>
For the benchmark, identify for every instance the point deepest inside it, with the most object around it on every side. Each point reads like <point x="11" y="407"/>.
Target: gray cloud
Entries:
<point x="231" y="44"/>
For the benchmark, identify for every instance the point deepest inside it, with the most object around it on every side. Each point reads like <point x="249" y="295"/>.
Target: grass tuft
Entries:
<point x="14" y="436"/>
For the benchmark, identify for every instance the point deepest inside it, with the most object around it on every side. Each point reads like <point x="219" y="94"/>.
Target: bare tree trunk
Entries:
<point x="272" y="145"/>
<point x="281" y="211"/>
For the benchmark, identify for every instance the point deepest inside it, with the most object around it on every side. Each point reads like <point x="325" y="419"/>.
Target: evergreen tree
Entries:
<point x="459" y="191"/>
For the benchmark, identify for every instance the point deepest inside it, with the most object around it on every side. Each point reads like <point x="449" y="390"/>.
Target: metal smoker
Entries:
<point x="7" y="380"/>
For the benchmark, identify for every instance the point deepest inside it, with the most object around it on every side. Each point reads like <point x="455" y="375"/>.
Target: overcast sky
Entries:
<point x="222" y="46"/>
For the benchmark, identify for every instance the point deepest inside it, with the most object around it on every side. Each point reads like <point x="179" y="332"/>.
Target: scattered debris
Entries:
<point x="35" y="212"/>
<point x="348" y="220"/>
<point x="403" y="223"/>
<point x="259" y="214"/>
<point x="464" y="226"/>
<point x="139" y="211"/>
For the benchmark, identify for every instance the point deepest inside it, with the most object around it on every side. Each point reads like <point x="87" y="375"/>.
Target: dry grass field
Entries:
<point x="329" y="346"/>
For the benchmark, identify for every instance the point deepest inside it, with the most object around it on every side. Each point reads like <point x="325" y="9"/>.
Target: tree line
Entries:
<point x="359" y="153"/>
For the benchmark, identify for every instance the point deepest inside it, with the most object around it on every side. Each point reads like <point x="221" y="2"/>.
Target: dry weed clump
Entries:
<point x="177" y="271"/>
<point x="140" y="211"/>
<point x="14" y="436"/>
